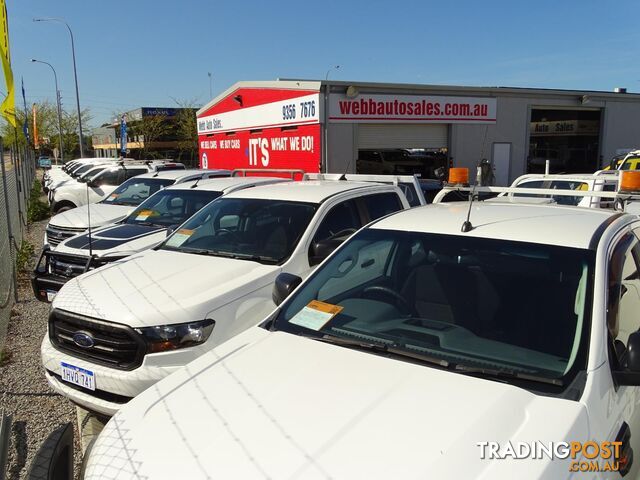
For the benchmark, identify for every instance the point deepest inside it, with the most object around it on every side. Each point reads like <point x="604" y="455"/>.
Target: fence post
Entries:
<point x="12" y="240"/>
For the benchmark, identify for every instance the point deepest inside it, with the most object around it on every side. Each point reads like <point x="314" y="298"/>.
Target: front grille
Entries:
<point x="56" y="234"/>
<point x="102" y="394"/>
<point x="67" y="266"/>
<point x="114" y="345"/>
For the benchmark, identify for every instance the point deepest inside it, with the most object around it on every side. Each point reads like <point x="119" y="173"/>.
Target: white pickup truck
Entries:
<point x="144" y="227"/>
<point x="115" y="331"/>
<point x="419" y="349"/>
<point x="94" y="188"/>
<point x="120" y="203"/>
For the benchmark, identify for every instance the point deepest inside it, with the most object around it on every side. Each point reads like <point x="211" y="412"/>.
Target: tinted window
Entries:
<point x="110" y="177"/>
<point x="132" y="172"/>
<point x="381" y="204"/>
<point x="265" y="231"/>
<point x="135" y="190"/>
<point x="171" y="207"/>
<point x="624" y="292"/>
<point x="515" y="307"/>
<point x="341" y="221"/>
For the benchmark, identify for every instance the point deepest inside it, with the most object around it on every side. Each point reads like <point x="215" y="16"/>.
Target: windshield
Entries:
<point x="466" y="302"/>
<point x="555" y="185"/>
<point x="170" y="207"/>
<point x="78" y="171"/>
<point x="266" y="231"/>
<point x="136" y="190"/>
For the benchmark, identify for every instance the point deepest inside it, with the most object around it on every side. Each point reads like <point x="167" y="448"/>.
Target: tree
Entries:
<point x="47" y="127"/>
<point x="187" y="131"/>
<point x="148" y="130"/>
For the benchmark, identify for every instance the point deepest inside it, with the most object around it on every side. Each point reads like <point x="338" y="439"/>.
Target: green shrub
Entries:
<point x="37" y="209"/>
<point x="23" y="256"/>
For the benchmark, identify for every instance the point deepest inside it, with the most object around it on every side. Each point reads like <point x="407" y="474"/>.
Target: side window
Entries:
<point x="623" y="296"/>
<point x="341" y="221"/>
<point x="336" y="226"/>
<point x="108" y="177"/>
<point x="132" y="172"/>
<point x="380" y="204"/>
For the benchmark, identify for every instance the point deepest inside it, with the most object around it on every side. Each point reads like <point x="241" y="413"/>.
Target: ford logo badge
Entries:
<point x="83" y="340"/>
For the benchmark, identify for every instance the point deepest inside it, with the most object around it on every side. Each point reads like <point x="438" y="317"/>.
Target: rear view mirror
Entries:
<point x="285" y="284"/>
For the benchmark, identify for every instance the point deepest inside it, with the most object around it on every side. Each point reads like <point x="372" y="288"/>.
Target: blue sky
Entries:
<point x="144" y="52"/>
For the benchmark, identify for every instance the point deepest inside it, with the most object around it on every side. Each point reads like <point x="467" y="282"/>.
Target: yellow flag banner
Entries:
<point x="34" y="111"/>
<point x="8" y="107"/>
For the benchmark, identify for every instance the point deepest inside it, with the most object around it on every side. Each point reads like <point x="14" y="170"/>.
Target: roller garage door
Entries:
<point x="431" y="136"/>
<point x="402" y="149"/>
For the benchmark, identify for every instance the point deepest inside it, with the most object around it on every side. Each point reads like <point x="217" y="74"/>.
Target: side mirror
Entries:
<point x="631" y="373"/>
<point x="285" y="284"/>
<point x="322" y="249"/>
<point x="92" y="183"/>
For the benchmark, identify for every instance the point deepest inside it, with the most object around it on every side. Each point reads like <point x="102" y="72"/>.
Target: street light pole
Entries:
<point x="75" y="74"/>
<point x="335" y="67"/>
<point x="55" y="78"/>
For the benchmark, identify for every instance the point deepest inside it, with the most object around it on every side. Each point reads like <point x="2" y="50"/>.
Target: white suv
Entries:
<point x="143" y="228"/>
<point x="419" y="349"/>
<point x="120" y="203"/>
<point x="106" y="179"/>
<point x="116" y="330"/>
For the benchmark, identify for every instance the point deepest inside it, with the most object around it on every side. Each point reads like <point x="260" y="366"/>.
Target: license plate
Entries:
<point x="51" y="295"/>
<point x="78" y="376"/>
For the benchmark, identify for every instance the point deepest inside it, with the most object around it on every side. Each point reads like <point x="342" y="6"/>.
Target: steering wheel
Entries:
<point x="135" y="196"/>
<point x="228" y="232"/>
<point x="343" y="232"/>
<point x="399" y="300"/>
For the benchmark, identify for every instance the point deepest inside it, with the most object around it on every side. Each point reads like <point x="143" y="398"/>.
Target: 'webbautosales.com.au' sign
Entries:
<point x="411" y="109"/>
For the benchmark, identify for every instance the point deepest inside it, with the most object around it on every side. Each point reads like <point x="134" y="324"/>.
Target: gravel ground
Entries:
<point x="24" y="391"/>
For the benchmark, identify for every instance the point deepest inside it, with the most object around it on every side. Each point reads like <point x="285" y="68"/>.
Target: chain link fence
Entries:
<point x="17" y="173"/>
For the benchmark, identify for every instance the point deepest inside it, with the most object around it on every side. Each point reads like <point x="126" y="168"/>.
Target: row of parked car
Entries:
<point x="328" y="328"/>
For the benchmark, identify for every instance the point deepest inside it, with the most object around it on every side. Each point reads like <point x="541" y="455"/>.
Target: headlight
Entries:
<point x="164" y="338"/>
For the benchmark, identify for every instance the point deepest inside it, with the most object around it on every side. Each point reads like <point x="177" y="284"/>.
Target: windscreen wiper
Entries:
<point x="255" y="258"/>
<point x="504" y="373"/>
<point x="385" y="347"/>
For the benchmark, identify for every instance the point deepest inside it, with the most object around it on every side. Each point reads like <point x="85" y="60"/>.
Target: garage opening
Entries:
<point x="569" y="139"/>
<point x="402" y="149"/>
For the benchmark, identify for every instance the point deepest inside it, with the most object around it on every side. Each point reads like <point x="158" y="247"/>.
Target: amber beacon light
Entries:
<point x="459" y="176"/>
<point x="630" y="181"/>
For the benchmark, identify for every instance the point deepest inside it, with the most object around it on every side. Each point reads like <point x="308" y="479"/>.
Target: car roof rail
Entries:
<point x="292" y="172"/>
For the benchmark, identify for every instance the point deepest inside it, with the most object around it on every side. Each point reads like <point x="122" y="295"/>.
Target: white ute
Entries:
<point x="106" y="179"/>
<point x="144" y="228"/>
<point x="120" y="203"/>
<point x="115" y="331"/>
<point x="418" y="351"/>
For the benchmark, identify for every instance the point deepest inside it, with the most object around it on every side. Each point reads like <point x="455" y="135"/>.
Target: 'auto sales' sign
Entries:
<point x="295" y="111"/>
<point x="411" y="109"/>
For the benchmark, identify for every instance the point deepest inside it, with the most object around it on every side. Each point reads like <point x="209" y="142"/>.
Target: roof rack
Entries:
<point x="622" y="199"/>
<point x="242" y="172"/>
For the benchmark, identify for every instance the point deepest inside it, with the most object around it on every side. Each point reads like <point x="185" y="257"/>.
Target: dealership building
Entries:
<point x="336" y="126"/>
